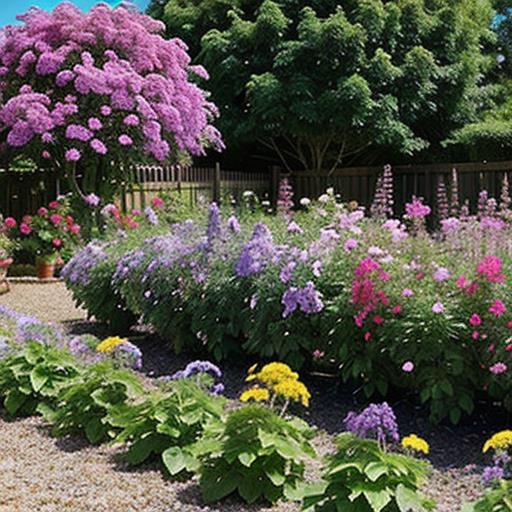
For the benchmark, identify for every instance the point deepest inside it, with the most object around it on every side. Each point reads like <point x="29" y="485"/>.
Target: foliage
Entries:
<point x="167" y="424"/>
<point x="361" y="476"/>
<point x="84" y="403"/>
<point x="258" y="455"/>
<point x="390" y="304"/>
<point x="91" y="91"/>
<point x="319" y="83"/>
<point x="34" y="376"/>
<point x="497" y="499"/>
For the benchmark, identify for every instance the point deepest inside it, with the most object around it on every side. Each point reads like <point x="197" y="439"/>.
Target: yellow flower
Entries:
<point x="256" y="394"/>
<point x="293" y="390"/>
<point x="416" y="443"/>
<point x="273" y="373"/>
<point x="110" y="343"/>
<point x="500" y="441"/>
<point x="252" y="369"/>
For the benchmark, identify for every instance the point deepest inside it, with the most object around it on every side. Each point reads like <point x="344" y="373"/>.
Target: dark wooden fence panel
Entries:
<point x="24" y="192"/>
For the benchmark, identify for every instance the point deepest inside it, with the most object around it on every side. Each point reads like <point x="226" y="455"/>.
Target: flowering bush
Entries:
<point x="88" y="89"/>
<point x="382" y="299"/>
<point x="51" y="231"/>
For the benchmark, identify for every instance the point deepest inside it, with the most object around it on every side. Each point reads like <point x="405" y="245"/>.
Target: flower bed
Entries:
<point x="392" y="305"/>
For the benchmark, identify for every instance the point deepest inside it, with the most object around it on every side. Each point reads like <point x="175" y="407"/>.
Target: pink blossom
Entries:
<point x="407" y="292"/>
<point x="461" y="282"/>
<point x="498" y="368"/>
<point x="490" y="267"/>
<point x="408" y="367"/>
<point x="416" y="209"/>
<point x="318" y="354"/>
<point x="157" y="202"/>
<point x="10" y="222"/>
<point x="94" y="124"/>
<point x="53" y="205"/>
<point x="42" y="212"/>
<point x="57" y="242"/>
<point x="73" y="155"/>
<point x="367" y="336"/>
<point x="98" y="146"/>
<point x="45" y="154"/>
<point x="497" y="308"/>
<point x="74" y="229"/>
<point x="397" y="309"/>
<point x="55" y="219"/>
<point x="350" y="244"/>
<point x="105" y="110"/>
<point x="475" y="335"/>
<point x="438" y="307"/>
<point x="475" y="320"/>
<point x="378" y="320"/>
<point x="25" y="229"/>
<point x="441" y="274"/>
<point x="125" y="140"/>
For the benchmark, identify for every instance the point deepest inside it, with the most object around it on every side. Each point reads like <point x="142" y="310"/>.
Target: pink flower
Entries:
<point x="42" y="212"/>
<point x="397" y="309"/>
<point x="408" y="367"/>
<point x="57" y="242"/>
<point x="497" y="308"/>
<point x="350" y="244"/>
<point x="384" y="276"/>
<point x="438" y="307"/>
<point x="55" y="219"/>
<point x="367" y="336"/>
<point x="45" y="154"/>
<point x="54" y="205"/>
<point x="475" y="335"/>
<point x="27" y="219"/>
<point x="157" y="202"/>
<point x="461" y="282"/>
<point x="318" y="354"/>
<point x="74" y="229"/>
<point x="472" y="288"/>
<point x="498" y="368"/>
<point x="25" y="229"/>
<point x="508" y="348"/>
<point x="105" y="110"/>
<point x="377" y="319"/>
<point x="509" y="324"/>
<point x="441" y="274"/>
<point x="98" y="146"/>
<point x="125" y="140"/>
<point x="475" y="320"/>
<point x="73" y="155"/>
<point x="407" y="292"/>
<point x="490" y="267"/>
<point x="416" y="209"/>
<point x="10" y="222"/>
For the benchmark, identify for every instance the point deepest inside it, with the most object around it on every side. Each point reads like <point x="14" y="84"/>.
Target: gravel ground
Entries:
<point x="73" y="476"/>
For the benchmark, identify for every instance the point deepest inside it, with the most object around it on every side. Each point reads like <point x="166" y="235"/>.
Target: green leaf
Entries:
<point x="14" y="401"/>
<point x="377" y="499"/>
<point x="247" y="458"/>
<point x="39" y="376"/>
<point x="174" y="460"/>
<point x="250" y="489"/>
<point x="94" y="430"/>
<point x="375" y="470"/>
<point x="408" y="500"/>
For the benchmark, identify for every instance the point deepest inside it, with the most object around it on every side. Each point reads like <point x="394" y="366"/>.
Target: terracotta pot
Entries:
<point x="4" y="266"/>
<point x="45" y="269"/>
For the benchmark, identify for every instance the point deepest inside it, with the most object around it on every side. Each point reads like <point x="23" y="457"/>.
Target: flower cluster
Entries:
<point x="501" y="445"/>
<point x="114" y="58"/>
<point x="415" y="443"/>
<point x="200" y="370"/>
<point x="377" y="421"/>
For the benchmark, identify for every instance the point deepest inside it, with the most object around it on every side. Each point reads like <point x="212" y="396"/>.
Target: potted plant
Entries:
<point x="6" y="248"/>
<point x="47" y="235"/>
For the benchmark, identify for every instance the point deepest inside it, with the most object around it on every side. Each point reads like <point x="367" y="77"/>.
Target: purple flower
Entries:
<point x="257" y="253"/>
<point x="441" y="274"/>
<point x="198" y="367"/>
<point x="498" y="368"/>
<point x="286" y="273"/>
<point x="98" y="146"/>
<point x="438" y="308"/>
<point x="492" y="473"/>
<point x="350" y="244"/>
<point x="125" y="140"/>
<point x="214" y="229"/>
<point x="151" y="216"/>
<point x="293" y="227"/>
<point x="408" y="367"/>
<point x="94" y="124"/>
<point x="105" y="110"/>
<point x="92" y="200"/>
<point x="307" y="299"/>
<point x="75" y="131"/>
<point x="377" y="421"/>
<point x="73" y="155"/>
<point x="131" y="120"/>
<point x="416" y="209"/>
<point x="233" y="224"/>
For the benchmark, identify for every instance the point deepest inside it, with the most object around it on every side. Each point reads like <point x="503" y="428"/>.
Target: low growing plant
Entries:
<point x="34" y="377"/>
<point x="83" y="405"/>
<point x="496" y="499"/>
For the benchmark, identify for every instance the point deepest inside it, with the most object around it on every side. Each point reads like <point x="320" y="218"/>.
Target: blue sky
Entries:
<point x="10" y="8"/>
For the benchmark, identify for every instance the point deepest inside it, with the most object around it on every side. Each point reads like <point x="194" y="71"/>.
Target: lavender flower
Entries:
<point x="198" y="367"/>
<point x="284" y="198"/>
<point x="151" y="215"/>
<point x="214" y="229"/>
<point x="233" y="224"/>
<point x="257" y="253"/>
<point x="492" y="473"/>
<point x="377" y="421"/>
<point x="128" y="354"/>
<point x="92" y="200"/>
<point x="454" y="196"/>
<point x="382" y="205"/>
<point x="307" y="299"/>
<point x="442" y="200"/>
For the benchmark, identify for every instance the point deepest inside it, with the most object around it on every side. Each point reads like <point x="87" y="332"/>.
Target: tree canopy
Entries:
<point x="317" y="82"/>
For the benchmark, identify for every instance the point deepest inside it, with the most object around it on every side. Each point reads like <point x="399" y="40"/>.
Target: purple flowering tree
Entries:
<point x="93" y="92"/>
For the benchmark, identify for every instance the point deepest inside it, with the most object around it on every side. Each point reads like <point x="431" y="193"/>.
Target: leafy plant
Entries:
<point x="497" y="499"/>
<point x="258" y="455"/>
<point x="363" y="477"/>
<point x="34" y="377"/>
<point x="167" y="424"/>
<point x="83" y="405"/>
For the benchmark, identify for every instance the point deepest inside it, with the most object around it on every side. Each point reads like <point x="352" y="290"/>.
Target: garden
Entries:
<point x="287" y="352"/>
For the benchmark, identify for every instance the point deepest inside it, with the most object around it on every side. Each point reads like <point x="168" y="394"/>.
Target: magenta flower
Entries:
<point x="73" y="155"/>
<point x="408" y="367"/>
<point x="98" y="146"/>
<point x="125" y="140"/>
<point x="475" y="320"/>
<point x="407" y="292"/>
<point x="497" y="308"/>
<point x="416" y="209"/>
<point x="490" y="267"/>
<point x="25" y="229"/>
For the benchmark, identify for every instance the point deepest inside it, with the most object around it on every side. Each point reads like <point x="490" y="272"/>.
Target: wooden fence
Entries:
<point x="358" y="183"/>
<point x="24" y="192"/>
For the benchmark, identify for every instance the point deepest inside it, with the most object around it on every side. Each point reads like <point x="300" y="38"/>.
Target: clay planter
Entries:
<point x="4" y="266"/>
<point x="45" y="268"/>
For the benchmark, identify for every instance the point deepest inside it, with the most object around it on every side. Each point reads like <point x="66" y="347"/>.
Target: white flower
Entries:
<point x="324" y="198"/>
<point x="330" y="191"/>
<point x="305" y="201"/>
<point x="248" y="193"/>
<point x="265" y="203"/>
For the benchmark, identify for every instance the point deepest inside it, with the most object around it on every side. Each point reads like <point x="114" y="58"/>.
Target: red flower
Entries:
<point x="397" y="309"/>
<point x="69" y="220"/>
<point x="377" y="319"/>
<point x="54" y="205"/>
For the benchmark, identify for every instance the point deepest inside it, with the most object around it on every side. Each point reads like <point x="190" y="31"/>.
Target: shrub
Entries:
<point x="258" y="455"/>
<point x="361" y="476"/>
<point x="497" y="499"/>
<point x="83" y="405"/>
<point x="34" y="376"/>
<point x="167" y="424"/>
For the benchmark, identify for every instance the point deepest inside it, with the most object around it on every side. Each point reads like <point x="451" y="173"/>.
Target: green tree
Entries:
<point x="319" y="83"/>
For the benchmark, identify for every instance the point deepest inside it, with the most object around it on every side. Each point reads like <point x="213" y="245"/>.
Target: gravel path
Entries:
<point x="70" y="475"/>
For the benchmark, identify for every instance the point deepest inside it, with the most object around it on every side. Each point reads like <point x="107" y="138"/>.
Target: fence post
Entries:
<point x="216" y="183"/>
<point x="274" y="185"/>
